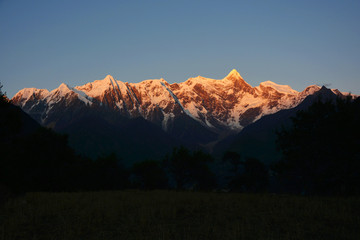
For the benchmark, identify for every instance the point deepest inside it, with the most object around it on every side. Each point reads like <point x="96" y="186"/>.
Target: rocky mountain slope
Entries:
<point x="220" y="105"/>
<point x="107" y="115"/>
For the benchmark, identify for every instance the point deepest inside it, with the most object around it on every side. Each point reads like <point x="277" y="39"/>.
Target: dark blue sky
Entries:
<point x="45" y="43"/>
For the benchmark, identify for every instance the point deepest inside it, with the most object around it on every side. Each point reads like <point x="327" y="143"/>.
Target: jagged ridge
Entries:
<point x="223" y="105"/>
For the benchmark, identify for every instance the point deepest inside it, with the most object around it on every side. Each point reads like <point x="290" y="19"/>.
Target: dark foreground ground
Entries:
<point x="178" y="215"/>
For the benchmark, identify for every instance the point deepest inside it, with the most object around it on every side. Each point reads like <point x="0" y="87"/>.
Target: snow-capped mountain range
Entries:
<point x="224" y="105"/>
<point x="146" y="120"/>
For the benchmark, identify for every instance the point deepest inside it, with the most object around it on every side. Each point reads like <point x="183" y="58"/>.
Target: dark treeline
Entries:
<point x="321" y="152"/>
<point x="321" y="155"/>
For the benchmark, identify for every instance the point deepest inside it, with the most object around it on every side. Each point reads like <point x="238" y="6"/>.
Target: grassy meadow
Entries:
<point x="178" y="215"/>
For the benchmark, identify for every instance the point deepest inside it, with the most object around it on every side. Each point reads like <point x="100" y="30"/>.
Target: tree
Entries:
<point x="190" y="170"/>
<point x="321" y="153"/>
<point x="229" y="167"/>
<point x="250" y="175"/>
<point x="149" y="175"/>
<point x="108" y="173"/>
<point x="254" y="178"/>
<point x="203" y="176"/>
<point x="233" y="158"/>
<point x="3" y="98"/>
<point x="10" y="121"/>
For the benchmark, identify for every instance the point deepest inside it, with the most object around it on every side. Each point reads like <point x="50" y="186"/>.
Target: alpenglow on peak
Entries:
<point x="234" y="75"/>
<point x="109" y="77"/>
<point x="222" y="104"/>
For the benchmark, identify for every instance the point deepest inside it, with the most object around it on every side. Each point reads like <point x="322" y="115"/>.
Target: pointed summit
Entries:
<point x="63" y="88"/>
<point x="234" y="75"/>
<point x="109" y="78"/>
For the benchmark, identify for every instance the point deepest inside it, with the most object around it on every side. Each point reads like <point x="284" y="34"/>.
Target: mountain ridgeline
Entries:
<point x="145" y="120"/>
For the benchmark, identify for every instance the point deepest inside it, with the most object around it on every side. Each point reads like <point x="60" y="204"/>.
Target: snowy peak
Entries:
<point x="108" y="78"/>
<point x="234" y="75"/>
<point x="29" y="94"/>
<point x="66" y="93"/>
<point x="98" y="87"/>
<point x="63" y="88"/>
<point x="285" y="89"/>
<point x="62" y="91"/>
<point x="26" y="93"/>
<point x="311" y="90"/>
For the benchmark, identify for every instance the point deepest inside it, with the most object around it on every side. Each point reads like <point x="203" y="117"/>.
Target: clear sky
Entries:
<point x="298" y="43"/>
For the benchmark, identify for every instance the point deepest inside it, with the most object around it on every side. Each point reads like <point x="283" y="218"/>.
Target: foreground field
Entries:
<point x="178" y="215"/>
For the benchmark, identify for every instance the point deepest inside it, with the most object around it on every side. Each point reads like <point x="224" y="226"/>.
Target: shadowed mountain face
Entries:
<point x="146" y="119"/>
<point x="259" y="139"/>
